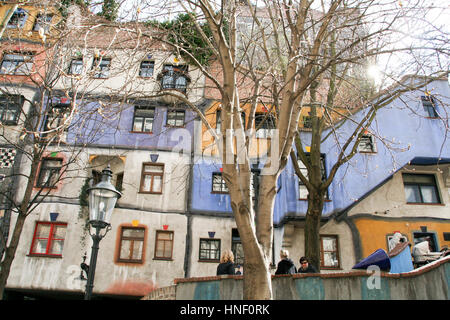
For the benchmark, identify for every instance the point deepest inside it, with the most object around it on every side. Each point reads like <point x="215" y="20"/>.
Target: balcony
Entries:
<point x="174" y="79"/>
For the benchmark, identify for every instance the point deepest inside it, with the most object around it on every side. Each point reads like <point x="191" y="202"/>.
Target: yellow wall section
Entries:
<point x="373" y="233"/>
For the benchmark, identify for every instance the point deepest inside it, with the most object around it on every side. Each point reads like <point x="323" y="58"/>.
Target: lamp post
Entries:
<point x="102" y="200"/>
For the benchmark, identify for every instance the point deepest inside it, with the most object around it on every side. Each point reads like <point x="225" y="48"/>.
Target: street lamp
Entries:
<point x="102" y="200"/>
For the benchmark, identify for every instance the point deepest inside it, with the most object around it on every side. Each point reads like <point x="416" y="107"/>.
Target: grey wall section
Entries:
<point x="429" y="282"/>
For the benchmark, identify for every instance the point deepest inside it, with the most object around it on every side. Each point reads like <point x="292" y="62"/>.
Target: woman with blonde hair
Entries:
<point x="226" y="265"/>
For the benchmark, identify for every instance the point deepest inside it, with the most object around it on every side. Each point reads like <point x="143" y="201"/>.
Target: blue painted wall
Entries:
<point x="402" y="124"/>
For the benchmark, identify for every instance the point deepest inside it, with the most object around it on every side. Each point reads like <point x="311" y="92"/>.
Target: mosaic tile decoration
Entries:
<point x="7" y="156"/>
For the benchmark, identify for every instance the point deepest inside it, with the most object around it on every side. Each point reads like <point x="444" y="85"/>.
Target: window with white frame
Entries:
<point x="17" y="63"/>
<point x="264" y="125"/>
<point x="209" y="250"/>
<point x="329" y="252"/>
<point x="101" y="67"/>
<point x="218" y="183"/>
<point x="10" y="108"/>
<point x="303" y="190"/>
<point x="175" y="118"/>
<point x="143" y="119"/>
<point x="76" y="66"/>
<point x="367" y="143"/>
<point x="152" y="177"/>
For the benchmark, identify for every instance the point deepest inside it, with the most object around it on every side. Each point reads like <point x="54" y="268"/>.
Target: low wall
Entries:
<point x="429" y="282"/>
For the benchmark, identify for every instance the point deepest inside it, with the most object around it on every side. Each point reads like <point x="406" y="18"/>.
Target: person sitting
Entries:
<point x="226" y="265"/>
<point x="305" y="267"/>
<point x="286" y="265"/>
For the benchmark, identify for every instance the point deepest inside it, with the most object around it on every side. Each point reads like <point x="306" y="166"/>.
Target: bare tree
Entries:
<point x="292" y="55"/>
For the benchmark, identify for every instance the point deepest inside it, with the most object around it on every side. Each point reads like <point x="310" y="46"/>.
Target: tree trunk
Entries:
<point x="10" y="253"/>
<point x="312" y="230"/>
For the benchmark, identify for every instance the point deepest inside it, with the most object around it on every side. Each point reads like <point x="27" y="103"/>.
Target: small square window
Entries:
<point x="18" y="19"/>
<point x="420" y="188"/>
<point x="329" y="253"/>
<point x="49" y="173"/>
<point x="152" y="178"/>
<point x="367" y="144"/>
<point x="429" y="105"/>
<point x="17" y="63"/>
<point x="209" y="250"/>
<point x="10" y="108"/>
<point x="146" y="69"/>
<point x="43" y="21"/>
<point x="175" y="118"/>
<point x="76" y="66"/>
<point x="264" y="125"/>
<point x="218" y="183"/>
<point x="101" y="67"/>
<point x="48" y="239"/>
<point x="131" y="244"/>
<point x="164" y="245"/>
<point x="143" y="119"/>
<point x="303" y="190"/>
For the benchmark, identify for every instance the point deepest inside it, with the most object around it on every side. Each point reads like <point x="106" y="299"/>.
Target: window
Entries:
<point x="218" y="120"/>
<point x="420" y="188"/>
<point x="236" y="247"/>
<point x="43" y="21"/>
<point x="419" y="237"/>
<point x="164" y="245"/>
<point x="151" y="180"/>
<point x="146" y="69"/>
<point x="101" y="66"/>
<point x="174" y="77"/>
<point x="143" y="119"/>
<point x="18" y="19"/>
<point x="10" y="107"/>
<point x="131" y="244"/>
<point x="265" y="124"/>
<point x="218" y="183"/>
<point x="329" y="255"/>
<point x="17" y="64"/>
<point x="209" y="250"/>
<point x="307" y="121"/>
<point x="57" y="116"/>
<point x="367" y="143"/>
<point x="49" y="173"/>
<point x="303" y="191"/>
<point x="48" y="239"/>
<point x="429" y="104"/>
<point x="175" y="118"/>
<point x="76" y="66"/>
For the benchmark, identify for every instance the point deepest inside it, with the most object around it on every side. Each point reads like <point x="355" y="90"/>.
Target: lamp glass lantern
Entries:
<point x="102" y="200"/>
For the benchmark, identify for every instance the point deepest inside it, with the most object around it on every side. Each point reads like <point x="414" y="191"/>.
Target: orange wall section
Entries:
<point x="373" y="233"/>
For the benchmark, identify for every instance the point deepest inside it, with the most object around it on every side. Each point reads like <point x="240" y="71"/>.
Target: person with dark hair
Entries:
<point x="305" y="267"/>
<point x="286" y="265"/>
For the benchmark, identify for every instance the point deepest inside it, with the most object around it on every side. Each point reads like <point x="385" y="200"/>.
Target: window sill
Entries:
<point x="367" y="152"/>
<point x="163" y="259"/>
<point x="304" y="199"/>
<point x="210" y="261"/>
<point x="41" y="255"/>
<point x="143" y="132"/>
<point x="130" y="262"/>
<point x="426" y="204"/>
<point x="148" y="192"/>
<point x="219" y="192"/>
<point x="146" y="78"/>
<point x="176" y="127"/>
